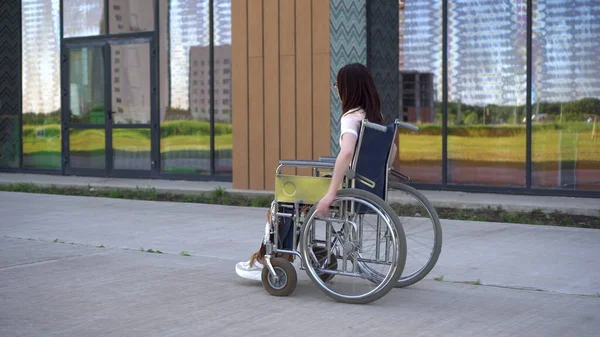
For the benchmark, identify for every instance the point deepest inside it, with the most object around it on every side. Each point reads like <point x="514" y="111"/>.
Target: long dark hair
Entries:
<point x="357" y="89"/>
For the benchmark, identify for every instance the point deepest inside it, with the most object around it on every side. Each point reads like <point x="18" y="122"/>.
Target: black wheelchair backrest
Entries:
<point x="371" y="157"/>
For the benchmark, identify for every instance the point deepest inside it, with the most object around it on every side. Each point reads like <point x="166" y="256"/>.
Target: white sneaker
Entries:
<point x="244" y="270"/>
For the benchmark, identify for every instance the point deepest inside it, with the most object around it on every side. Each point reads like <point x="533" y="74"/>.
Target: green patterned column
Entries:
<point x="348" y="44"/>
<point x="10" y="83"/>
<point x="383" y="54"/>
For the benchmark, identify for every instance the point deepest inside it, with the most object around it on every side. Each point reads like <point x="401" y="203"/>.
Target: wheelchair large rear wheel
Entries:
<point x="365" y="236"/>
<point x="423" y="231"/>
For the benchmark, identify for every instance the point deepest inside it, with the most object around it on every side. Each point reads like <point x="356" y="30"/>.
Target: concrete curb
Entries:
<point x="456" y="200"/>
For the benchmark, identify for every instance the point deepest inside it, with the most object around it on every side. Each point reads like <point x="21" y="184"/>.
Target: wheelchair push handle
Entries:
<point x="407" y="126"/>
<point x="375" y="126"/>
<point x="383" y="128"/>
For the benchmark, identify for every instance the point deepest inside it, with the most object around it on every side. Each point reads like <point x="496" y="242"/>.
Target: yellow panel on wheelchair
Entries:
<point x="290" y="188"/>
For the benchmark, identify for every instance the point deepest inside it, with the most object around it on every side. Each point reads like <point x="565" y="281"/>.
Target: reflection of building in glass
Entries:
<point x="417" y="96"/>
<point x="487" y="51"/>
<point x="222" y="22"/>
<point x="86" y="83"/>
<point x="130" y="82"/>
<point x="188" y="26"/>
<point x="566" y="49"/>
<point x="130" y="16"/>
<point x="200" y="83"/>
<point x="83" y="18"/>
<point x="420" y="36"/>
<point x="41" y="68"/>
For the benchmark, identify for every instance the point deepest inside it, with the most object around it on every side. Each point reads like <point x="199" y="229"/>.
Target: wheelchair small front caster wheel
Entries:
<point x="332" y="263"/>
<point x="285" y="282"/>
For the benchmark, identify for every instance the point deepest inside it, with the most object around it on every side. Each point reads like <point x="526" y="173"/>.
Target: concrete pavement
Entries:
<point x="536" y="281"/>
<point x="569" y="205"/>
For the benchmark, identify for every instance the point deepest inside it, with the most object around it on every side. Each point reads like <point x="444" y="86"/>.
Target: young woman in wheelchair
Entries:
<point x="360" y="100"/>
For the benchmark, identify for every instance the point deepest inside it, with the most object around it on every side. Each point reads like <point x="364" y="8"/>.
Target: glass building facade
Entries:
<point x="126" y="88"/>
<point x="506" y="92"/>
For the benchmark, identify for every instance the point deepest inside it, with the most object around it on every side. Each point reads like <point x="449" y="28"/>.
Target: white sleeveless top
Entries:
<point x="350" y="122"/>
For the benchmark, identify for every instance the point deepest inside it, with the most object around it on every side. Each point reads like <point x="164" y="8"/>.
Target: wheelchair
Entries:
<point x="355" y="254"/>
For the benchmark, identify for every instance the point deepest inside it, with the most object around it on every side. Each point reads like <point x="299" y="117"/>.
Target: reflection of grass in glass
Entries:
<point x="86" y="140"/>
<point x="41" y="139"/>
<point x="548" y="145"/>
<point x="132" y="140"/>
<point x="188" y="135"/>
<point x="196" y="142"/>
<point x="415" y="146"/>
<point x="498" y="149"/>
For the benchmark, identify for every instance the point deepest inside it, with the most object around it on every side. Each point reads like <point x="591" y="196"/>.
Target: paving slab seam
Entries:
<point x="522" y="288"/>
<point x="110" y="248"/>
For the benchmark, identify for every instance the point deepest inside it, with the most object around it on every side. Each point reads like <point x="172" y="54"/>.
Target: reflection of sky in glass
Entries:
<point x="566" y="50"/>
<point x="41" y="53"/>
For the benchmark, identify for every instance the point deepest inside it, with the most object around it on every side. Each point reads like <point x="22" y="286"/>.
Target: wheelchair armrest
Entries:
<point x="398" y="174"/>
<point x="307" y="163"/>
<point x="327" y="159"/>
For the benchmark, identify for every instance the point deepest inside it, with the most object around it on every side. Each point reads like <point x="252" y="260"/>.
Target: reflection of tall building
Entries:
<point x="128" y="16"/>
<point x="200" y="83"/>
<point x="222" y="22"/>
<point x="420" y="36"/>
<point x="188" y="26"/>
<point x="130" y="64"/>
<point x="487" y="51"/>
<point x="83" y="19"/>
<point x="41" y="57"/>
<point x="417" y="96"/>
<point x="566" y="49"/>
<point x="130" y="82"/>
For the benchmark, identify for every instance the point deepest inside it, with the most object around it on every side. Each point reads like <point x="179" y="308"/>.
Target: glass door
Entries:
<point x="130" y="117"/>
<point x="85" y="115"/>
<point x="108" y="117"/>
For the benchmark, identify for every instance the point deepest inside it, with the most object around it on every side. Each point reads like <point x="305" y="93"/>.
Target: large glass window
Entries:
<point x="566" y="94"/>
<point x="420" y="33"/>
<point x="186" y="113"/>
<point x="41" y="84"/>
<point x="222" y="85"/>
<point x="487" y="92"/>
<point x="185" y="122"/>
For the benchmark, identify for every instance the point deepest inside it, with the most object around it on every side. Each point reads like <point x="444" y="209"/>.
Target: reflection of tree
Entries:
<point x="579" y="110"/>
<point x="174" y="113"/>
<point x="34" y="118"/>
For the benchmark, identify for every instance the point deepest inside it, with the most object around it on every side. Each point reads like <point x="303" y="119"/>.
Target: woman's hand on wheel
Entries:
<point x="324" y="203"/>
